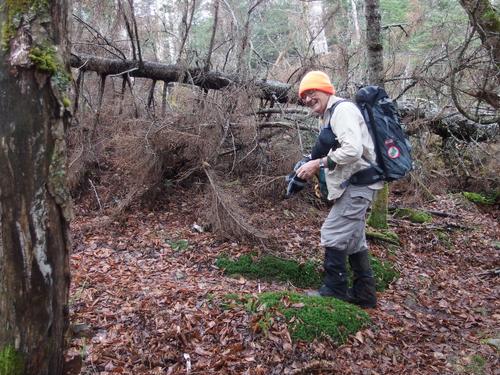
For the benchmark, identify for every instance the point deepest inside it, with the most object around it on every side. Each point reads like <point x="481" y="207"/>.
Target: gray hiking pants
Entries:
<point x="344" y="228"/>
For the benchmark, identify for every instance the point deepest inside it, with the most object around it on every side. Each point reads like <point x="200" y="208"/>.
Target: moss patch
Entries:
<point x="414" y="216"/>
<point x="13" y="10"/>
<point x="11" y="361"/>
<point x="273" y="268"/>
<point x="483" y="199"/>
<point x="384" y="235"/>
<point x="378" y="215"/>
<point x="47" y="60"/>
<point x="307" y="317"/>
<point x="300" y="275"/>
<point x="476" y="365"/>
<point x="384" y="273"/>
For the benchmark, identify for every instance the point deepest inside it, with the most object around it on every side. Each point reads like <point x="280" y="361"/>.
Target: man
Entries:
<point x="343" y="232"/>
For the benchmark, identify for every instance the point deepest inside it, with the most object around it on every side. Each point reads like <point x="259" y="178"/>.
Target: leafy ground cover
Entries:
<point x="146" y="295"/>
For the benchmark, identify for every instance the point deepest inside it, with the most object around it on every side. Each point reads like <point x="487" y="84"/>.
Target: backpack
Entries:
<point x="392" y="148"/>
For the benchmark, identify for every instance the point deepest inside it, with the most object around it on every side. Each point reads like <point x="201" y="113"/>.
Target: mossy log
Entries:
<point x="386" y="236"/>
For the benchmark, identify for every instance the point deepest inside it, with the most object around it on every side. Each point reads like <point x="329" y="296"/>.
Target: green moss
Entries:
<point x="484" y="199"/>
<point x="179" y="245"/>
<point x="44" y="58"/>
<point x="47" y="60"/>
<point x="307" y="317"/>
<point x="66" y="102"/>
<point x="11" y="361"/>
<point x="300" y="275"/>
<point x="13" y="10"/>
<point x="491" y="17"/>
<point x="384" y="273"/>
<point x="384" y="235"/>
<point x="476" y="365"/>
<point x="414" y="216"/>
<point x="444" y="238"/>
<point x="378" y="215"/>
<point x="273" y="268"/>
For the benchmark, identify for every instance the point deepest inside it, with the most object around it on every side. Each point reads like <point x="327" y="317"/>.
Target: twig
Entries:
<point x="490" y="273"/>
<point x="96" y="195"/>
<point x="122" y="73"/>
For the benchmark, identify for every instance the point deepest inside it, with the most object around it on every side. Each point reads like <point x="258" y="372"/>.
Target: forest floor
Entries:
<point x="142" y="306"/>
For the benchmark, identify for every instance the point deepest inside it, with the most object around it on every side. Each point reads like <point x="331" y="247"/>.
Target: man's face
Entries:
<point x="316" y="100"/>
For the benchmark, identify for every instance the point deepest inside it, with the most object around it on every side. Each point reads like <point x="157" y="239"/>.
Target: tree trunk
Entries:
<point x="374" y="43"/>
<point x="375" y="54"/>
<point x="357" y="32"/>
<point x="34" y="203"/>
<point x="316" y="27"/>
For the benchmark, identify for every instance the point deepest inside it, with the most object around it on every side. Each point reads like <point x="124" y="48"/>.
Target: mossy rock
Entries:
<point x="307" y="317"/>
<point x="414" y="216"/>
<point x="270" y="267"/>
<point x="300" y="275"/>
<point x="11" y="361"/>
<point x="485" y="199"/>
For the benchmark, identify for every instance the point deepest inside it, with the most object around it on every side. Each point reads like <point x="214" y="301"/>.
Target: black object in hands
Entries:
<point x="295" y="183"/>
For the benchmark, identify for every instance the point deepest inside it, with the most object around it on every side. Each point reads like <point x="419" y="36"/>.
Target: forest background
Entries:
<point x="182" y="120"/>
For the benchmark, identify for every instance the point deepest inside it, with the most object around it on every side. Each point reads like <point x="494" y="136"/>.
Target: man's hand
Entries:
<point x="308" y="170"/>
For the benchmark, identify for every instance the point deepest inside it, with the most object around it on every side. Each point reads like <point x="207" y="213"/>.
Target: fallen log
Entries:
<point x="207" y="80"/>
<point x="445" y="124"/>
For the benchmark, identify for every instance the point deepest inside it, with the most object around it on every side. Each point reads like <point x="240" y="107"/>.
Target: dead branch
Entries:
<point x="227" y="217"/>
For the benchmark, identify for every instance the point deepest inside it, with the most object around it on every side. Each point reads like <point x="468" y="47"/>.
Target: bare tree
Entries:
<point x="35" y="205"/>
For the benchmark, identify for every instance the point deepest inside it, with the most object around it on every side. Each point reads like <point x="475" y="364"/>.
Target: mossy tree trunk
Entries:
<point x="378" y="215"/>
<point x="35" y="206"/>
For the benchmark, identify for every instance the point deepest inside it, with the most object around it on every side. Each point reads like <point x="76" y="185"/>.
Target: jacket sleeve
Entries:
<point x="346" y="124"/>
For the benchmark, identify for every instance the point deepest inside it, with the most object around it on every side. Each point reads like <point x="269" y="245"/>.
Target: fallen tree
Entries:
<point x="207" y="80"/>
<point x="446" y="124"/>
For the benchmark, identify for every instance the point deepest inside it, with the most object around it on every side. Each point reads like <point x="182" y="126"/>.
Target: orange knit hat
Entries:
<point x="316" y="80"/>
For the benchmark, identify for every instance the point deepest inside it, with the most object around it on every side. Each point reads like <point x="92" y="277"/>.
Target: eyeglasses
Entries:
<point x="308" y="94"/>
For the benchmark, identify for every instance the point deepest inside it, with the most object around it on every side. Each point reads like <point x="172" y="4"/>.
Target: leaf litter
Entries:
<point x="149" y="296"/>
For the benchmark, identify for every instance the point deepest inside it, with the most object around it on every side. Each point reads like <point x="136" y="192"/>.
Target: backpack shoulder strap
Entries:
<point x="332" y="109"/>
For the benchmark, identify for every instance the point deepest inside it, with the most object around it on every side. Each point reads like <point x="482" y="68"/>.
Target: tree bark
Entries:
<point x="35" y="206"/>
<point x="374" y="43"/>
<point x="316" y="27"/>
<point x="375" y="54"/>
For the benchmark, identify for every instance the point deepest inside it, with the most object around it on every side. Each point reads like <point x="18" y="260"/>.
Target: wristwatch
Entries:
<point x="321" y="163"/>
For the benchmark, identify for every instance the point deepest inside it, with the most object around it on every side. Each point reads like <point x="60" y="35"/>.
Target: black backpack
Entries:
<point x="392" y="147"/>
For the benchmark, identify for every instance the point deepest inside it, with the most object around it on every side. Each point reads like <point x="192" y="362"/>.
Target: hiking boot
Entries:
<point x="363" y="291"/>
<point x="335" y="283"/>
